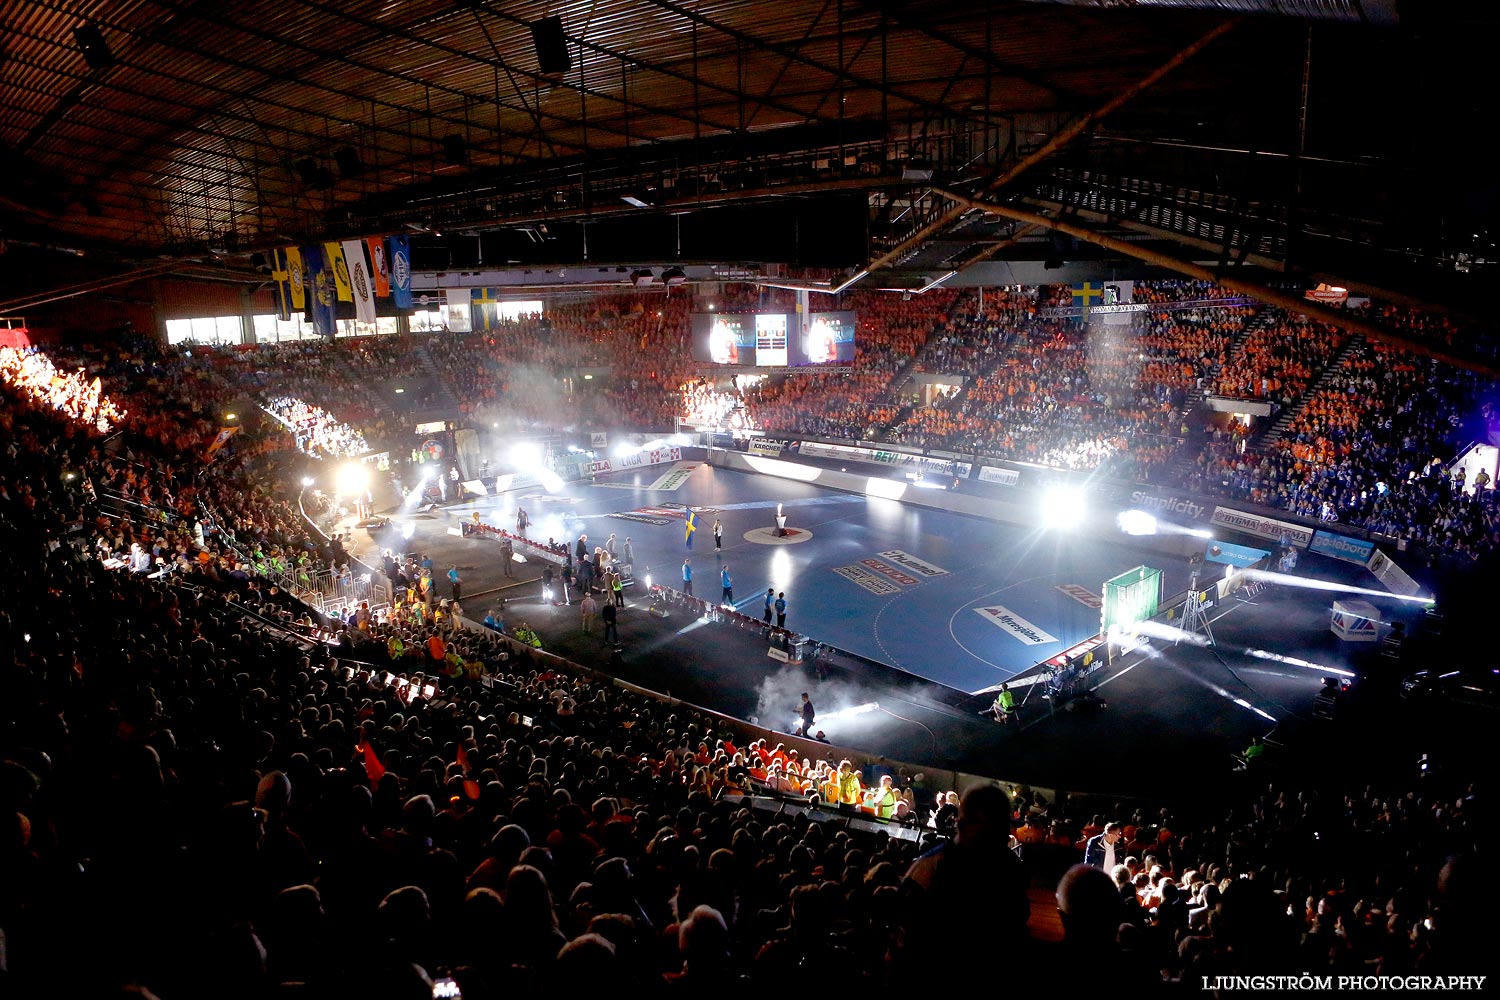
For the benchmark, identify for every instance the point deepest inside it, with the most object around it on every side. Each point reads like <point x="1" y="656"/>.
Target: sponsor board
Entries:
<point x="765" y="446"/>
<point x="598" y="439"/>
<point x="864" y="578"/>
<point x="1392" y="576"/>
<point x="1168" y="504"/>
<point x="1082" y="595"/>
<point x="908" y="561"/>
<point x="655" y="456"/>
<point x="684" y="508"/>
<point x="1016" y="626"/>
<point x="778" y="654"/>
<point x="878" y="457"/>
<point x="1355" y="550"/>
<point x="673" y="480"/>
<point x="1004" y="477"/>
<point x="630" y="515"/>
<point x="1262" y="527"/>
<point x="664" y="511"/>
<point x="1231" y="554"/>
<point x="886" y="571"/>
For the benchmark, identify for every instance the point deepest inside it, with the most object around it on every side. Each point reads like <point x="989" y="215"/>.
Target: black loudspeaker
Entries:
<point x="347" y="159"/>
<point x="93" y="46"/>
<point x="551" y="45"/>
<point x="455" y="150"/>
<point x="307" y="169"/>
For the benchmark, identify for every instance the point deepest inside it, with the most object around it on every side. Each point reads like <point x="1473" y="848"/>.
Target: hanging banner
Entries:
<point x="360" y="283"/>
<point x="379" y="266"/>
<point x="400" y="266"/>
<point x="485" y="306"/>
<point x="1354" y="550"/>
<point x="323" y="293"/>
<point x="336" y="266"/>
<point x="456" y="315"/>
<point x="219" y="441"/>
<point x="297" y="277"/>
<point x="282" y="277"/>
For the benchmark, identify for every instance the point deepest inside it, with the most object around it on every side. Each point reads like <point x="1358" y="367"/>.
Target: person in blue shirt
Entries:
<point x="728" y="585"/>
<point x="781" y="610"/>
<point x="770" y="599"/>
<point x="454" y="582"/>
<point x="687" y="577"/>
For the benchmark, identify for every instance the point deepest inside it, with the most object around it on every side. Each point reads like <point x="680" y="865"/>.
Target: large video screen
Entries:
<point x="773" y="340"/>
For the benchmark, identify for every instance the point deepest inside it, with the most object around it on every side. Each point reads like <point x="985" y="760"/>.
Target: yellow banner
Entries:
<point x="335" y="255"/>
<point x="297" y="275"/>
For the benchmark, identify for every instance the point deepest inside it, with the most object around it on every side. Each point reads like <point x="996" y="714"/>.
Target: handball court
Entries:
<point x="926" y="613"/>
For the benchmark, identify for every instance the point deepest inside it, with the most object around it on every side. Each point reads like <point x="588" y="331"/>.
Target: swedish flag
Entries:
<point x="692" y="526"/>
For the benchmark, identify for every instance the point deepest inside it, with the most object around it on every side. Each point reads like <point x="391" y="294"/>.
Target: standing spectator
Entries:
<point x="629" y="553"/>
<point x="454" y="582"/>
<point x="968" y="894"/>
<point x="589" y="607"/>
<point x="687" y="577"/>
<point x="718" y="534"/>
<point x="616" y="589"/>
<point x="781" y="610"/>
<point x="508" y="556"/>
<point x="1103" y="851"/>
<point x="522" y="521"/>
<point x="808" y="715"/>
<point x="770" y="599"/>
<point x="727" y="584"/>
<point x="611" y="618"/>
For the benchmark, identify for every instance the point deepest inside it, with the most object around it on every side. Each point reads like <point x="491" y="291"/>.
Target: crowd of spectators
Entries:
<point x="317" y="432"/>
<point x="214" y="801"/>
<point x="1279" y="359"/>
<point x="72" y="394"/>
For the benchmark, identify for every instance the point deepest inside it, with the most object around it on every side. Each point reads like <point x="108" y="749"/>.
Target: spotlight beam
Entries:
<point x="1308" y="583"/>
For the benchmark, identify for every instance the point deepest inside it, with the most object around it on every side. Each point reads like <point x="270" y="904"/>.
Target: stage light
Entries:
<point x="525" y="455"/>
<point x="353" y="478"/>
<point x="307" y="481"/>
<point x="1062" y="507"/>
<point x="624" y="450"/>
<point x="551" y="481"/>
<point x="1136" y="522"/>
<point x="231" y="416"/>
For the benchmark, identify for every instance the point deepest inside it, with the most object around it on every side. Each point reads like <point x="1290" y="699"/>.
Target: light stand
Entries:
<point x="1194" y="616"/>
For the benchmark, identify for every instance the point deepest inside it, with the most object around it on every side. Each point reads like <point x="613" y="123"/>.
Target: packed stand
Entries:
<point x="72" y="394"/>
<point x="221" y="809"/>
<point x="1279" y="359"/>
<point x="317" y="432"/>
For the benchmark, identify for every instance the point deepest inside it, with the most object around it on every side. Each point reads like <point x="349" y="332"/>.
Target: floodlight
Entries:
<point x="1136" y="522"/>
<point x="1062" y="507"/>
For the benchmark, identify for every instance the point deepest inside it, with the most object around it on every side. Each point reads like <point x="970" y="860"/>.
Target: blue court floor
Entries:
<point x="957" y="600"/>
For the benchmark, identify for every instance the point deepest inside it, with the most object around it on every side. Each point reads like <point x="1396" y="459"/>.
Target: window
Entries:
<point x="204" y="330"/>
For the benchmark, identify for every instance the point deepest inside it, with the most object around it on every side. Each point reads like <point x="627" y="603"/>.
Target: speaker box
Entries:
<point x="95" y="49"/>
<point x="551" y="45"/>
<point x="347" y="158"/>
<point x="455" y="150"/>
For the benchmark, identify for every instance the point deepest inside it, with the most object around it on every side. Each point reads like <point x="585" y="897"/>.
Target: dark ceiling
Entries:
<point x="1309" y="137"/>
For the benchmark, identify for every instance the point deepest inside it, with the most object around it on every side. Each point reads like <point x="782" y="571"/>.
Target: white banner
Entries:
<point x="360" y="282"/>
<point x="676" y="476"/>
<point x="1014" y="625"/>
<point x="1262" y="527"/>
<point x="1005" y="477"/>
<point x="1394" y="577"/>
<point x="656" y="456"/>
<point x="766" y="446"/>
<point x="908" y="561"/>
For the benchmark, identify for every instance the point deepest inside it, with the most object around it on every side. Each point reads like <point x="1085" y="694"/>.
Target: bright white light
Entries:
<point x="1062" y="507"/>
<point x="1293" y="661"/>
<point x="408" y="529"/>
<point x="525" y="455"/>
<point x="624" y="450"/>
<point x="551" y="481"/>
<point x="1136" y="522"/>
<point x="353" y="478"/>
<point x="680" y="439"/>
<point x="307" y="481"/>
<point x="841" y="715"/>
<point x="786" y="470"/>
<point x="1308" y="583"/>
<point x="1171" y="633"/>
<point x="653" y="444"/>
<point x="887" y="488"/>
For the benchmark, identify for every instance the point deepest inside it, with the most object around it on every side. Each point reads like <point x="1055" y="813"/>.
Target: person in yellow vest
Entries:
<point x="851" y="790"/>
<point x="828" y="782"/>
<point x="882" y="798"/>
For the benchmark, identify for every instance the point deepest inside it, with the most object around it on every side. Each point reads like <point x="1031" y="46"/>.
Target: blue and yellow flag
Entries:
<point x="1087" y="294"/>
<point x="692" y="526"/>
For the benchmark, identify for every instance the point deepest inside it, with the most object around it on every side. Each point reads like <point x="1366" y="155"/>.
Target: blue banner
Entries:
<point x="400" y="265"/>
<point x="1233" y="555"/>
<point x="324" y="293"/>
<point x="1354" y="550"/>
